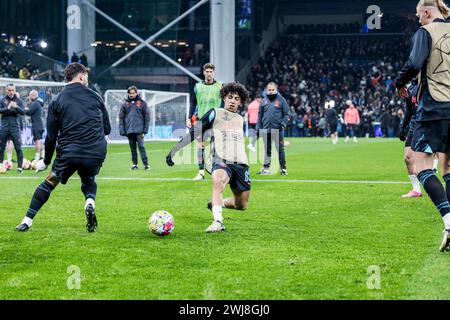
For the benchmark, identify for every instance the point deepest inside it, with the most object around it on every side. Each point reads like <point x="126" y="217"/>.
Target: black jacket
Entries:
<point x="134" y="117"/>
<point x="273" y="114"/>
<point x="385" y="119"/>
<point x="35" y="112"/>
<point x="11" y="117"/>
<point x="331" y="116"/>
<point x="77" y="121"/>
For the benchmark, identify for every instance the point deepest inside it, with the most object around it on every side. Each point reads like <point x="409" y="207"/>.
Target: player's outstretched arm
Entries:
<point x="196" y="131"/>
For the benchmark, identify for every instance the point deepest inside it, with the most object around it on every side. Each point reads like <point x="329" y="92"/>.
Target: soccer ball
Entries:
<point x="161" y="223"/>
<point x="26" y="164"/>
<point x="33" y="165"/>
<point x="7" y="165"/>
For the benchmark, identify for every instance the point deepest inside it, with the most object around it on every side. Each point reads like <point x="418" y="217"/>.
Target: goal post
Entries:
<point x="46" y="90"/>
<point x="168" y="113"/>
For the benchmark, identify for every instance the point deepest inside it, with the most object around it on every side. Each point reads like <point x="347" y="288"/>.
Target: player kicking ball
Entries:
<point x="77" y="123"/>
<point x="229" y="160"/>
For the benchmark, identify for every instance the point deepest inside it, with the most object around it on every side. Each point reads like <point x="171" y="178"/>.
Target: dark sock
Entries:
<point x="447" y="185"/>
<point x="200" y="158"/>
<point x="435" y="190"/>
<point x="89" y="190"/>
<point x="40" y="197"/>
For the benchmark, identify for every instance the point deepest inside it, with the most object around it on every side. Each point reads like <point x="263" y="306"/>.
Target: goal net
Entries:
<point x="46" y="90"/>
<point x="168" y="113"/>
<point x="168" y="110"/>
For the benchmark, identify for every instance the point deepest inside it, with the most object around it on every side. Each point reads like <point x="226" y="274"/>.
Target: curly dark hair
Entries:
<point x="234" y="88"/>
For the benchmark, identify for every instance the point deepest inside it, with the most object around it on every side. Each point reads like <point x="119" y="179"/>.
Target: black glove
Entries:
<point x="402" y="134"/>
<point x="169" y="160"/>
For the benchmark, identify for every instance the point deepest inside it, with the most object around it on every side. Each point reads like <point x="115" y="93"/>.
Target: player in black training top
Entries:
<point x="77" y="123"/>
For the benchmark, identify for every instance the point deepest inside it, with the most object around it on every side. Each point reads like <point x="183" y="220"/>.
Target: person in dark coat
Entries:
<point x="272" y="120"/>
<point x="11" y="107"/>
<point x="134" y="122"/>
<point x="37" y="125"/>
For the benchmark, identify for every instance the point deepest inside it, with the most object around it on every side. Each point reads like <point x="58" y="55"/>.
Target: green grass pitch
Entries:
<point x="297" y="240"/>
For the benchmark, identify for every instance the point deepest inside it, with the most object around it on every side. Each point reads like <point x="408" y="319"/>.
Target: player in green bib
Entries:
<point x="206" y="96"/>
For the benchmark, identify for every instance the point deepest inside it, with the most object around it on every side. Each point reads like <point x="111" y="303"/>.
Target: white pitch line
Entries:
<point x="254" y="180"/>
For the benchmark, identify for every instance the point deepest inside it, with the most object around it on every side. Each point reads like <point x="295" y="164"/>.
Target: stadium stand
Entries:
<point x="14" y="65"/>
<point x="312" y="70"/>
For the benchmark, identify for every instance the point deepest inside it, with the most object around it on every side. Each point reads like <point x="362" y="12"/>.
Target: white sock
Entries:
<point x="415" y="183"/>
<point x="217" y="213"/>
<point x="37" y="156"/>
<point x="43" y="154"/>
<point x="88" y="202"/>
<point x="202" y="172"/>
<point x="27" y="221"/>
<point x="446" y="219"/>
<point x="435" y="164"/>
<point x="9" y="156"/>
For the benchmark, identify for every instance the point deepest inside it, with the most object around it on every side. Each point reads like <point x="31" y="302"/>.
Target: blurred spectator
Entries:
<point x="252" y="112"/>
<point x="385" y="121"/>
<point x="74" y="58"/>
<point x="351" y="120"/>
<point x="84" y="60"/>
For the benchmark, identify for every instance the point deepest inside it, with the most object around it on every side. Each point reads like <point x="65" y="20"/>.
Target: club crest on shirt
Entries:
<point x="137" y="103"/>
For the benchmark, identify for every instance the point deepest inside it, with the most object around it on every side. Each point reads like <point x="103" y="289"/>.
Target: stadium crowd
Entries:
<point x="390" y="23"/>
<point x="312" y="71"/>
<point x="9" y="68"/>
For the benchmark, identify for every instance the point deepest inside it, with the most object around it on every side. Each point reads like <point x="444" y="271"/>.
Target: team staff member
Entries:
<point x="273" y="117"/>
<point x="77" y="123"/>
<point x="134" y="121"/>
<point x="11" y="107"/>
<point x="37" y="125"/>
<point x="432" y="132"/>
